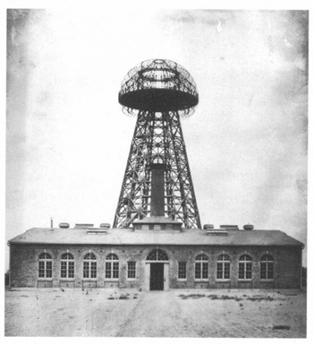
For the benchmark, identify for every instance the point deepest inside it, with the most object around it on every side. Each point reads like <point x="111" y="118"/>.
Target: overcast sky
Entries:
<point x="68" y="140"/>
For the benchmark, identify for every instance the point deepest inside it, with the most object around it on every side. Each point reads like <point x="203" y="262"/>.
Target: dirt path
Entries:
<point x="157" y="314"/>
<point x="175" y="313"/>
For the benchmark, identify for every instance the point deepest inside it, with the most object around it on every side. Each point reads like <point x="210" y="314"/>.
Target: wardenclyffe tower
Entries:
<point x="157" y="183"/>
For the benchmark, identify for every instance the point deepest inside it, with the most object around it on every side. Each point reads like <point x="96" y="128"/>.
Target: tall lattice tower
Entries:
<point x="157" y="180"/>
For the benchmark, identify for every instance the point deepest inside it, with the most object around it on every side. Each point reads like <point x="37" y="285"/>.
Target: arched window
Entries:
<point x="201" y="267"/>
<point x="112" y="266"/>
<point x="90" y="266"/>
<point x="223" y="267"/>
<point x="67" y="266"/>
<point x="267" y="267"/>
<point x="45" y="266"/>
<point x="157" y="255"/>
<point x="245" y="267"/>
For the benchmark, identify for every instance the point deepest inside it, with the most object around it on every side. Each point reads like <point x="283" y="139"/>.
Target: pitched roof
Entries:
<point x="154" y="237"/>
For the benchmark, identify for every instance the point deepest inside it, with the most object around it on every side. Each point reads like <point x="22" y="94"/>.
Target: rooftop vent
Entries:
<point x="229" y="227"/>
<point x="218" y="232"/>
<point x="83" y="226"/>
<point x="96" y="232"/>
<point x="248" y="227"/>
<point x="104" y="226"/>
<point x="64" y="225"/>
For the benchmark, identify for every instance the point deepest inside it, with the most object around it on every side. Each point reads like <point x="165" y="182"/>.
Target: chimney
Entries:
<point x="51" y="222"/>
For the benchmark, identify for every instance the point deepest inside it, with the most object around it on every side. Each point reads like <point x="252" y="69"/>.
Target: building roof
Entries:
<point x="93" y="236"/>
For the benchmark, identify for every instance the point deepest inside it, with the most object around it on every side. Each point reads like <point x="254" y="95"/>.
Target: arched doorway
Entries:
<point x="157" y="270"/>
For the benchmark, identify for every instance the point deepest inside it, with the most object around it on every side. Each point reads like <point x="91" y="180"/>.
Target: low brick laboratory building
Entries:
<point x="156" y="254"/>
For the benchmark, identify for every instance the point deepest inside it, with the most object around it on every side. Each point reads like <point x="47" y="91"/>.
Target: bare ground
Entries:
<point x="175" y="313"/>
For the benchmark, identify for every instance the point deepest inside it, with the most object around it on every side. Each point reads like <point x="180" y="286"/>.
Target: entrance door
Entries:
<point x="156" y="276"/>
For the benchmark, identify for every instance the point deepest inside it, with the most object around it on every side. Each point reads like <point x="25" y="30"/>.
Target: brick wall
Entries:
<point x="24" y="266"/>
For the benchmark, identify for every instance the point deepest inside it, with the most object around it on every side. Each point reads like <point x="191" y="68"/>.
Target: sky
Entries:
<point x="67" y="140"/>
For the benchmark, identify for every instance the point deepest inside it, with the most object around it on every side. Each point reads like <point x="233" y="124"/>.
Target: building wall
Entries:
<point x="24" y="266"/>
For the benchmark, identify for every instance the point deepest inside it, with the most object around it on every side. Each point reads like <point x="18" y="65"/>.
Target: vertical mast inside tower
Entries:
<point x="157" y="190"/>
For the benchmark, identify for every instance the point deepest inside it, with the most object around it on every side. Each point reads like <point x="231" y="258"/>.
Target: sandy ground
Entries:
<point x="175" y="313"/>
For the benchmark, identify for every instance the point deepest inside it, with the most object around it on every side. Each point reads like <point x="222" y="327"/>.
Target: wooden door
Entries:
<point x="156" y="276"/>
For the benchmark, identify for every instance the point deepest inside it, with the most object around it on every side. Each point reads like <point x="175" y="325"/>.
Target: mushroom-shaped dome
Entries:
<point x="158" y="86"/>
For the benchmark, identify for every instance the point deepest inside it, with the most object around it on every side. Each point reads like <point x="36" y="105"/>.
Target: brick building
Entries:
<point x="155" y="255"/>
<point x="150" y="248"/>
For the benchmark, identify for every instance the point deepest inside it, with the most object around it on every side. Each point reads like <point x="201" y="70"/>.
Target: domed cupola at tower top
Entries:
<point x="159" y="85"/>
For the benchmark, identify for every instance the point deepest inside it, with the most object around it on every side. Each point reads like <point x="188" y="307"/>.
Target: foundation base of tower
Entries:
<point x="157" y="223"/>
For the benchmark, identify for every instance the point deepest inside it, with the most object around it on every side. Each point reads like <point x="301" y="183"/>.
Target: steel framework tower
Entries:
<point x="157" y="180"/>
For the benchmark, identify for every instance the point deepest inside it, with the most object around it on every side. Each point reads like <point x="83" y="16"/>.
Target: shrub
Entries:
<point x="7" y="278"/>
<point x="281" y="327"/>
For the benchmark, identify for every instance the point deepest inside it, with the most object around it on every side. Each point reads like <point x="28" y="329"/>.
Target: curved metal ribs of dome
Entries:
<point x="158" y="85"/>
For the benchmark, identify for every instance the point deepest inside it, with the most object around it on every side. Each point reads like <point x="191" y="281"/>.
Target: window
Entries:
<point x="131" y="269"/>
<point x="45" y="266"/>
<point x="223" y="267"/>
<point x="112" y="266"/>
<point x="267" y="267"/>
<point x="67" y="266"/>
<point x="245" y="267"/>
<point x="157" y="255"/>
<point x="90" y="266"/>
<point x="201" y="267"/>
<point x="182" y="270"/>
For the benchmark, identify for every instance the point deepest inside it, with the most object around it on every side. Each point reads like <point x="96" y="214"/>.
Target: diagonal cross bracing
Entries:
<point x="157" y="139"/>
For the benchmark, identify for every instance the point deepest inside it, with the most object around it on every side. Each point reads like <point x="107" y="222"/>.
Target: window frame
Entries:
<point x="223" y="260"/>
<point x="67" y="260"/>
<point x="268" y="261"/>
<point x="45" y="260"/>
<point x="112" y="267"/>
<point x="203" y="265"/>
<point x="131" y="270"/>
<point x="247" y="267"/>
<point x="182" y="271"/>
<point x="90" y="266"/>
